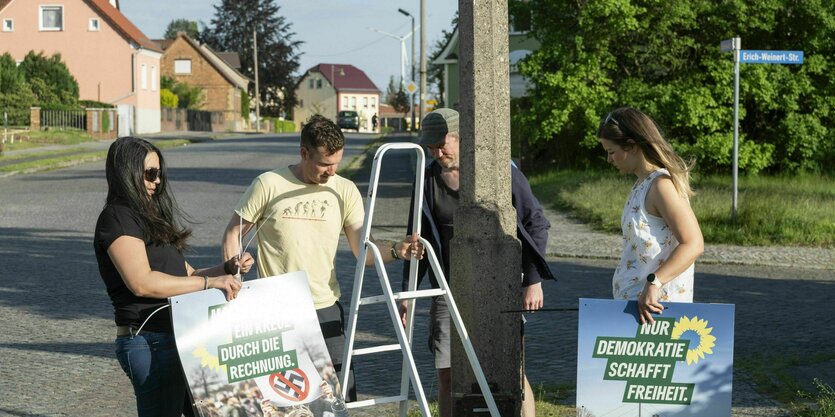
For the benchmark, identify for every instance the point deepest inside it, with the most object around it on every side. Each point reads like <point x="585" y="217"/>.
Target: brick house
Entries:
<point x="187" y="61"/>
<point x="330" y="88"/>
<point x="112" y="60"/>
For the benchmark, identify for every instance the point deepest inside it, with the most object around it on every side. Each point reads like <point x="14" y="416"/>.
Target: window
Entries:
<point x="8" y="25"/>
<point x="310" y="83"/>
<point x="143" y="74"/>
<point x="51" y="18"/>
<point x="353" y="102"/>
<point x="182" y="66"/>
<point x="153" y="78"/>
<point x="365" y="102"/>
<point x="301" y="103"/>
<point x="344" y="102"/>
<point x="93" y="25"/>
<point x="373" y="102"/>
<point x="319" y="83"/>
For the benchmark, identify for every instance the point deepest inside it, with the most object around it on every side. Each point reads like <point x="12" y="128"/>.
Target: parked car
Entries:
<point x="348" y="119"/>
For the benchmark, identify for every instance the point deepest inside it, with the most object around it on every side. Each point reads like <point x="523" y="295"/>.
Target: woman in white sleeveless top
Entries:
<point x="661" y="236"/>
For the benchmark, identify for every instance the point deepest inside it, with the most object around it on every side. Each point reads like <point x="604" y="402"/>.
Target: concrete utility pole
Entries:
<point x="486" y="256"/>
<point x="257" y="93"/>
<point x="422" y="100"/>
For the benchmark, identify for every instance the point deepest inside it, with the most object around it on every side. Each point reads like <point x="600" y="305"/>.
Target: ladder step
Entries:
<point x="376" y="349"/>
<point x="374" y="401"/>
<point x="405" y="295"/>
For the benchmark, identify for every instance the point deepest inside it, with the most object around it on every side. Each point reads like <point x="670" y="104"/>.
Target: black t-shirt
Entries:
<point x="446" y="202"/>
<point x="116" y="220"/>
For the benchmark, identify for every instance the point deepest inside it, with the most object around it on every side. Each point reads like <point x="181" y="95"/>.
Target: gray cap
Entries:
<point x="437" y="124"/>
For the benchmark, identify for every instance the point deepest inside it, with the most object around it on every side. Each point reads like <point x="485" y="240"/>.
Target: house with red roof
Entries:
<point x="112" y="60"/>
<point x="327" y="89"/>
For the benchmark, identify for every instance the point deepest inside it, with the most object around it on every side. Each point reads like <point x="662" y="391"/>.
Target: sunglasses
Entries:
<point x="151" y="174"/>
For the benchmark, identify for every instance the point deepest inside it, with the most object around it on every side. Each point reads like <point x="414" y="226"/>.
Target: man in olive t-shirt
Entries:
<point x="299" y="212"/>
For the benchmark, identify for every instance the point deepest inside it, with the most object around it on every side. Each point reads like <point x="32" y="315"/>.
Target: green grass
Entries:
<point x="356" y="165"/>
<point x="791" y="211"/>
<point x="62" y="161"/>
<point x="49" y="137"/>
<point x="770" y="376"/>
<point x="823" y="400"/>
<point x="550" y="402"/>
<point x="4" y="158"/>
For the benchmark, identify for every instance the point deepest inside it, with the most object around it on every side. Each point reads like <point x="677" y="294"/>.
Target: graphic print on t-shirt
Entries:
<point x="306" y="209"/>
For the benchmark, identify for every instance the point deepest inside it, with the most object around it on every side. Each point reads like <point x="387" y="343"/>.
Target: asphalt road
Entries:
<point x="56" y="325"/>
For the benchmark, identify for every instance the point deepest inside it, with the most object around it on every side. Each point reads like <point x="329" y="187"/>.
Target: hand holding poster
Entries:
<point x="262" y="353"/>
<point x="683" y="363"/>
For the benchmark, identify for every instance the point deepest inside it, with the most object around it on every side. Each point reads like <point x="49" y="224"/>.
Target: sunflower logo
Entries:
<point x="207" y="359"/>
<point x="699" y="327"/>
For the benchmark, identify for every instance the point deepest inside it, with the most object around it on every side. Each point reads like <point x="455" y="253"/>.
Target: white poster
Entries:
<point x="261" y="354"/>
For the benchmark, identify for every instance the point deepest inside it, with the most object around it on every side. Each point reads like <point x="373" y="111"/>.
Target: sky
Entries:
<point x="333" y="31"/>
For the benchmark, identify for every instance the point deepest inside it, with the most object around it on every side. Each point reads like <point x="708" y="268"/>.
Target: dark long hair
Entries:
<point x="628" y="127"/>
<point x="158" y="214"/>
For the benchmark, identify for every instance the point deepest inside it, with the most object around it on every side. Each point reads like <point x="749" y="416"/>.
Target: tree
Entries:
<point x="50" y="80"/>
<point x="663" y="57"/>
<point x="231" y="30"/>
<point x="182" y="25"/>
<point x="15" y="92"/>
<point x="396" y="97"/>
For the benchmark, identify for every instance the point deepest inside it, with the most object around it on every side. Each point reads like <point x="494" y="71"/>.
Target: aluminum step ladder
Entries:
<point x="404" y="335"/>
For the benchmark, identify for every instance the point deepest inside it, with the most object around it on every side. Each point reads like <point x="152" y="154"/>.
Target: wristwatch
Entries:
<point x="652" y="279"/>
<point x="394" y="251"/>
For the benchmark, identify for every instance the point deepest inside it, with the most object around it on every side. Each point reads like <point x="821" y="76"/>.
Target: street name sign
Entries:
<point x="771" y="57"/>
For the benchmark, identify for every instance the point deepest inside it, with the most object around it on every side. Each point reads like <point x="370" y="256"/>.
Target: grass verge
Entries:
<point x="792" y="211"/>
<point x="550" y="402"/>
<point x="356" y="165"/>
<point x="62" y="161"/>
<point x="771" y="377"/>
<point x="48" y="137"/>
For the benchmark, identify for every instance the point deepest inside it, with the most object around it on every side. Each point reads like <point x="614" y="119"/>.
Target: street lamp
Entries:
<point x="412" y="96"/>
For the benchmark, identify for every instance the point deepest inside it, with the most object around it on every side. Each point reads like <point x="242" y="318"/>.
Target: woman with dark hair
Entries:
<point x="139" y="245"/>
<point x="661" y="236"/>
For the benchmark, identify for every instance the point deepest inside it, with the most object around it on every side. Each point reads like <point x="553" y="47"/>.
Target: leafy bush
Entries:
<point x="168" y="99"/>
<point x="283" y="126"/>
<point x="244" y="104"/>
<point x="188" y="97"/>
<point x="92" y="104"/>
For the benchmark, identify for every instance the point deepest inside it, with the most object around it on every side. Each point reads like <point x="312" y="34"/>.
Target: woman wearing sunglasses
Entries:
<point x="661" y="236"/>
<point x="139" y="244"/>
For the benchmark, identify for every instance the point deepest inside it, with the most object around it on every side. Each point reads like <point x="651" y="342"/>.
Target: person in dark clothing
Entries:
<point x="439" y="133"/>
<point x="139" y="244"/>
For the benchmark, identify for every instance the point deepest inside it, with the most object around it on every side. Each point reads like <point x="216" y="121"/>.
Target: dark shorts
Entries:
<point x="439" y="333"/>
<point x="332" y="323"/>
<point x="439" y="327"/>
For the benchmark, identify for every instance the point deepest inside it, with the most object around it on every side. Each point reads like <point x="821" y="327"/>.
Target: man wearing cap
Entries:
<point x="439" y="133"/>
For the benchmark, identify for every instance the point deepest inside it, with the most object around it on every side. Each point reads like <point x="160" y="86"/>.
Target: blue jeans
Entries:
<point x="150" y="361"/>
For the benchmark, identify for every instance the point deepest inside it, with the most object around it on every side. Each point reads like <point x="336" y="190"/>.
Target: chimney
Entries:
<point x="115" y="3"/>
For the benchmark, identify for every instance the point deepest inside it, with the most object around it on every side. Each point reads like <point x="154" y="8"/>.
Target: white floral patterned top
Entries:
<point x="647" y="243"/>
